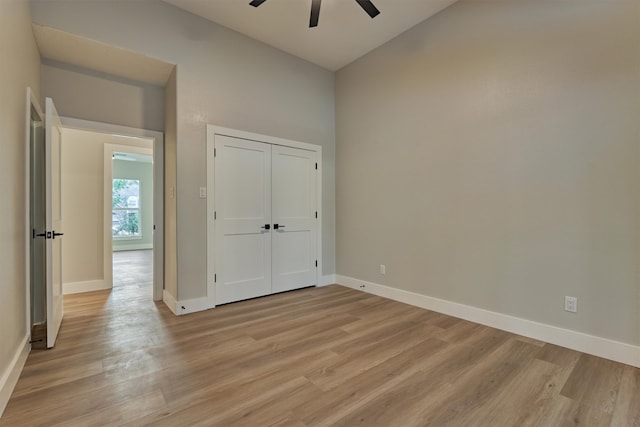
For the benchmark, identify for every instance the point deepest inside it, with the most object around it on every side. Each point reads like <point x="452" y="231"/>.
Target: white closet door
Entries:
<point x="243" y="210"/>
<point x="294" y="218"/>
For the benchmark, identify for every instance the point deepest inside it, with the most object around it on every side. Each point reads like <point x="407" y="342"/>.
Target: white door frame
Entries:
<point x="158" y="192"/>
<point x="212" y="131"/>
<point x="31" y="101"/>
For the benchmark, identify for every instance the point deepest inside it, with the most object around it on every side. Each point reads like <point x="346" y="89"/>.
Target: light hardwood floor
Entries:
<point x="319" y="356"/>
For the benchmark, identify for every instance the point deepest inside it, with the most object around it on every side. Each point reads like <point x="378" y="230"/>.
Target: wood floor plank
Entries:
<point x="558" y="355"/>
<point x="528" y="391"/>
<point x="262" y="411"/>
<point x="628" y="405"/>
<point x="422" y="401"/>
<point x="594" y="382"/>
<point x="559" y="411"/>
<point x="60" y="404"/>
<point x="120" y="413"/>
<point x="314" y="357"/>
<point x="367" y="357"/>
<point x="334" y="404"/>
<point x="41" y="379"/>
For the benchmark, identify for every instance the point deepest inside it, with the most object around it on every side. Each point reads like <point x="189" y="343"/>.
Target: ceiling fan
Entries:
<point x="315" y="9"/>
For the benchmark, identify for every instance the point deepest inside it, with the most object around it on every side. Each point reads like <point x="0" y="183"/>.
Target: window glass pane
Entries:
<point x="126" y="193"/>
<point x="125" y="223"/>
<point x="125" y="218"/>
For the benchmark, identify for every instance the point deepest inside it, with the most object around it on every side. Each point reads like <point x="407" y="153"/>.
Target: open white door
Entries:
<point x="54" y="222"/>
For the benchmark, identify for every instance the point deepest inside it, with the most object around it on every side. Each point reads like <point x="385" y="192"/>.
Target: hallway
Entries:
<point x="133" y="269"/>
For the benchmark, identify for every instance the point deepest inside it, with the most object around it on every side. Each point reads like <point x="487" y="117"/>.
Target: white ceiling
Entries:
<point x="345" y="32"/>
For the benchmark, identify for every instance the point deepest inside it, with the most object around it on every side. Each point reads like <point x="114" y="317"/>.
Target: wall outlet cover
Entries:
<point x="571" y="304"/>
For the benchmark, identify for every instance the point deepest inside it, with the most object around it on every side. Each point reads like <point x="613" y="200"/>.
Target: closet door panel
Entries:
<point x="243" y="208"/>
<point x="294" y="218"/>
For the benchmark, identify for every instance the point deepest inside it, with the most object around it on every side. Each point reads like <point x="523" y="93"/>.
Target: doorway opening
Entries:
<point x="131" y="210"/>
<point x="112" y="178"/>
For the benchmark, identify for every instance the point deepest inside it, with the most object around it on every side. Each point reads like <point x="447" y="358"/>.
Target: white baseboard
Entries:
<point x="137" y="247"/>
<point x="10" y="376"/>
<point x="186" y="306"/>
<point x="590" y="344"/>
<point x="169" y="301"/>
<point x="89" y="286"/>
<point x="193" y="305"/>
<point x="327" y="280"/>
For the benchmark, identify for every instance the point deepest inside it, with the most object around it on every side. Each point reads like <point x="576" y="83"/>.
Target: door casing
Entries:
<point x="32" y="104"/>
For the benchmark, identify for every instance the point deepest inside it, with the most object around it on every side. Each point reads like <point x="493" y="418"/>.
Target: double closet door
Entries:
<point x="265" y="219"/>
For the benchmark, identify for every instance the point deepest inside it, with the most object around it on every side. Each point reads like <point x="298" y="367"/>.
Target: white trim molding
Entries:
<point x="193" y="305"/>
<point x="590" y="344"/>
<point x="88" y="286"/>
<point x="326" y="280"/>
<point x="31" y="101"/>
<point x="10" y="376"/>
<point x="187" y="306"/>
<point x="137" y="247"/>
<point x="169" y="301"/>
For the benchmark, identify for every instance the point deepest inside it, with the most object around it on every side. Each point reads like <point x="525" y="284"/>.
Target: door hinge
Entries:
<point x="316" y="214"/>
<point x="316" y="263"/>
<point x="215" y="278"/>
<point x="215" y="215"/>
<point x="316" y="166"/>
<point x="215" y="152"/>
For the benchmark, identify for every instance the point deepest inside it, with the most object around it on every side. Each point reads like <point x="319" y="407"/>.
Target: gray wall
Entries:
<point x="223" y="78"/>
<point x="82" y="205"/>
<point x="89" y="95"/>
<point x="19" y="68"/>
<point x="490" y="156"/>
<point x="144" y="173"/>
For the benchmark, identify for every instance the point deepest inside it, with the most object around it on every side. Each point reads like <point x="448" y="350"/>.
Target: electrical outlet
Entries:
<point x="571" y="304"/>
<point x="383" y="269"/>
<point x="203" y="192"/>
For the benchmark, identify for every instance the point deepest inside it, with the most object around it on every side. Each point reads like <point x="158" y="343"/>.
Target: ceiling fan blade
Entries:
<point x="369" y="7"/>
<point x="315" y="13"/>
<point x="256" y="3"/>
